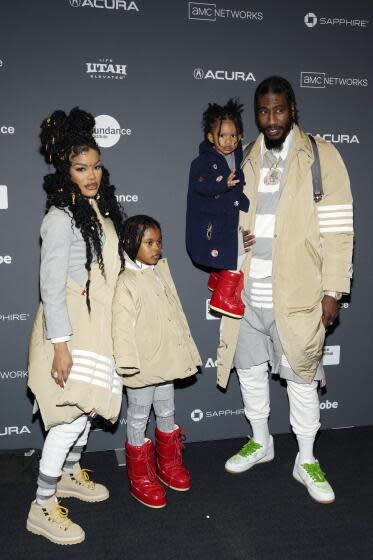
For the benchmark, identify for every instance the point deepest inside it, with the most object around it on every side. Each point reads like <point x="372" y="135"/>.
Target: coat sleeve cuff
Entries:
<point x="60" y="339"/>
<point x="336" y="284"/>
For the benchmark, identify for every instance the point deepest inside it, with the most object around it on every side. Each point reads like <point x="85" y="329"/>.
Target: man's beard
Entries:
<point x="276" y="144"/>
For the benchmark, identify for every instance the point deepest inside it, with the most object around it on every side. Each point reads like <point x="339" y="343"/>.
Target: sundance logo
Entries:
<point x="14" y="430"/>
<point x="203" y="11"/>
<point x="127" y="197"/>
<point x="7" y="129"/>
<point x="331" y="355"/>
<point x="320" y="80"/>
<point x="105" y="69"/>
<point x="231" y="75"/>
<point x="311" y="20"/>
<point x="3" y="197"/>
<point x="337" y="138"/>
<point x="197" y="415"/>
<point x="105" y="4"/>
<point x="108" y="131"/>
<point x="5" y="259"/>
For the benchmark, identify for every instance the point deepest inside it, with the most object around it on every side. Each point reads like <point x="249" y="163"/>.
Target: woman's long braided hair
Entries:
<point x="63" y="137"/>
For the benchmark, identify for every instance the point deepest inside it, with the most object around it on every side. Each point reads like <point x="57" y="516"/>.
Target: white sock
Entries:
<point x="306" y="449"/>
<point x="260" y="431"/>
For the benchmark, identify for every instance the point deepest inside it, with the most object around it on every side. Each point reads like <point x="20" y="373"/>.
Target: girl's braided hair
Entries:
<point x="62" y="138"/>
<point x="133" y="231"/>
<point x="215" y="114"/>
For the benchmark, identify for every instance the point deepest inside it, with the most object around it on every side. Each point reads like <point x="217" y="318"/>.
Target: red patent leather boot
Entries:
<point x="143" y="482"/>
<point x="226" y="298"/>
<point x="213" y="280"/>
<point x="171" y="470"/>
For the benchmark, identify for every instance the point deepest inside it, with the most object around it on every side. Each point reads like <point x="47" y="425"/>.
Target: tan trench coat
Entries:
<point x="93" y="383"/>
<point x="305" y="261"/>
<point x="152" y="341"/>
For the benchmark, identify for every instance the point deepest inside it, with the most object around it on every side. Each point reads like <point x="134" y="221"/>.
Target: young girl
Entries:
<point x="215" y="197"/>
<point x="71" y="366"/>
<point x="152" y="347"/>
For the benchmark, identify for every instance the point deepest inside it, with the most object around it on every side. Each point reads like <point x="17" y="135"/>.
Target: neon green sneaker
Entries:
<point x="311" y="476"/>
<point x="249" y="455"/>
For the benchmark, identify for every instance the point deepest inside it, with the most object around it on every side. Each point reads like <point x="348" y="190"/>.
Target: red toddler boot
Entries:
<point x="226" y="298"/>
<point x="171" y="470"/>
<point x="144" y="485"/>
<point x="213" y="280"/>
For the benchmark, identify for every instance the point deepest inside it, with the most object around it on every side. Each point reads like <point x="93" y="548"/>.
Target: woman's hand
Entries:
<point x="62" y="363"/>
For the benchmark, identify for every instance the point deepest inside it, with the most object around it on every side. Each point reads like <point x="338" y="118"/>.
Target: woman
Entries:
<point x="71" y="368"/>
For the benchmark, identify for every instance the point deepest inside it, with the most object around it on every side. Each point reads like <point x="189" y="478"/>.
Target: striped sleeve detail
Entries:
<point x="95" y="369"/>
<point x="336" y="218"/>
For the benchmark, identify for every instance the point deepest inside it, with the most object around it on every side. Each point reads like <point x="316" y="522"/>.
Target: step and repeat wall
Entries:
<point x="147" y="69"/>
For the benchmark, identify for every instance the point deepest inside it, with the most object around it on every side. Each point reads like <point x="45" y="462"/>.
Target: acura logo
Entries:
<point x="198" y="73"/>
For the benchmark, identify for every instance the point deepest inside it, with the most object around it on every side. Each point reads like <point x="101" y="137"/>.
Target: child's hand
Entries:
<point x="231" y="181"/>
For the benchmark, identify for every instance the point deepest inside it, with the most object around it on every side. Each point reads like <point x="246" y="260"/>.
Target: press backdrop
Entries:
<point x="148" y="69"/>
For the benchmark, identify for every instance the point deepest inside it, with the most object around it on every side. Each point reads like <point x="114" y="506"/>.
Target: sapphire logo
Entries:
<point x="196" y="415"/>
<point x="310" y="19"/>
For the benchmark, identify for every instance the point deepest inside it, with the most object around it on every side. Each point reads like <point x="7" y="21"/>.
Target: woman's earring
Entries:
<point x="73" y="198"/>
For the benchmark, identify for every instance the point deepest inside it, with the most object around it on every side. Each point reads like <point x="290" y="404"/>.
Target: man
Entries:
<point x="295" y="274"/>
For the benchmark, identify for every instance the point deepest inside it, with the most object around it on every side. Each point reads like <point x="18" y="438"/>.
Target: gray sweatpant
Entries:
<point x="140" y="402"/>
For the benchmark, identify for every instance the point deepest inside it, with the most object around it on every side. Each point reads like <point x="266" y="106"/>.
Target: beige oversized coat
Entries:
<point x="93" y="383"/>
<point x="152" y="341"/>
<point x="307" y="258"/>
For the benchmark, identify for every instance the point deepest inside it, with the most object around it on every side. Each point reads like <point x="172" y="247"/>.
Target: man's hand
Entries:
<point x="62" y="363"/>
<point x="231" y="181"/>
<point x="248" y="240"/>
<point x="330" y="310"/>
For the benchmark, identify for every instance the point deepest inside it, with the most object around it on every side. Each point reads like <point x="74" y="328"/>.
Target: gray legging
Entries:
<point x="140" y="402"/>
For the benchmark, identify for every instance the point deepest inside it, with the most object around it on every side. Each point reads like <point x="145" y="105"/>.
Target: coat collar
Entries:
<point x="206" y="147"/>
<point x="133" y="265"/>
